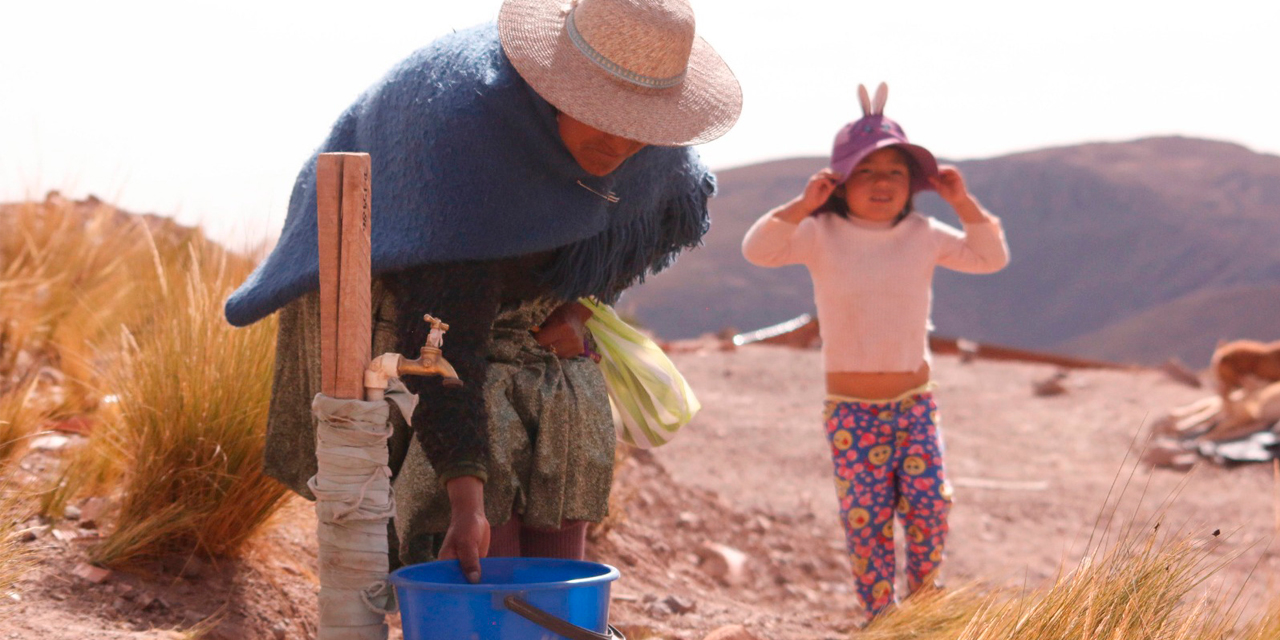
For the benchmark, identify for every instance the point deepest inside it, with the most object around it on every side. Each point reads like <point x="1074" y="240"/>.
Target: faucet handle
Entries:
<point x="435" y="338"/>
<point x="430" y="362"/>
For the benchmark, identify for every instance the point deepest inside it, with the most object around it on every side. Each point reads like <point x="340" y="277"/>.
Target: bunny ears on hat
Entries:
<point x="873" y="132"/>
<point x="876" y="108"/>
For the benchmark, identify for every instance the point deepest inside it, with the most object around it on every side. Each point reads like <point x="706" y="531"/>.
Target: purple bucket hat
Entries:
<point x="873" y="132"/>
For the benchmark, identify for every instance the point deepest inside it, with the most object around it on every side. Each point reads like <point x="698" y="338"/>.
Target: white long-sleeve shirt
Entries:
<point x="873" y="282"/>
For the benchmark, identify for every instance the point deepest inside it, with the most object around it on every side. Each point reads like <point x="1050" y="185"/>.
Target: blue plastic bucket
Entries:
<point x="516" y="599"/>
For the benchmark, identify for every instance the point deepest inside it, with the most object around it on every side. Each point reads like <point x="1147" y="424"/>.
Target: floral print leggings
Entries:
<point x="888" y="457"/>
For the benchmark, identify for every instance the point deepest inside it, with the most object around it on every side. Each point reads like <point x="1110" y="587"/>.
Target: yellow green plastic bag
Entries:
<point x="649" y="397"/>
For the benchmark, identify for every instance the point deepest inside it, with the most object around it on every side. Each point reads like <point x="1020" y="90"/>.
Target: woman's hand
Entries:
<point x="564" y="332"/>
<point x="467" y="539"/>
<point x="951" y="187"/>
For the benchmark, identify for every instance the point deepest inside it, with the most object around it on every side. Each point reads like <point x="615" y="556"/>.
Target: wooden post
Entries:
<point x="352" y="551"/>
<point x="343" y="194"/>
<point x="329" y="224"/>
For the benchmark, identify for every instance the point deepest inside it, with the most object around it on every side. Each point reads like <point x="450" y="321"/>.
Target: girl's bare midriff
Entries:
<point x="875" y="386"/>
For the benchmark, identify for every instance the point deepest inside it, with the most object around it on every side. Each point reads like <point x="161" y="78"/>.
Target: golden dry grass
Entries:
<point x="1139" y="590"/>
<point x="1267" y="626"/>
<point x="1137" y="583"/>
<point x="193" y="394"/>
<point x="16" y="556"/>
<point x="101" y="304"/>
<point x="20" y="416"/>
<point x="83" y="471"/>
<point x="71" y="274"/>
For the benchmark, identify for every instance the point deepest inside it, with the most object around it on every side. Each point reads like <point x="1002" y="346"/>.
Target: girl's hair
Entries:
<point x="837" y="204"/>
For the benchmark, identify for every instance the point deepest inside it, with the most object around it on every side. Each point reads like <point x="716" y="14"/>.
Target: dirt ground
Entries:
<point x="1032" y="478"/>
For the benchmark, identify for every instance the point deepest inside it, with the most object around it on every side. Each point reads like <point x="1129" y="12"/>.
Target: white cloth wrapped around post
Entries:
<point x="352" y="486"/>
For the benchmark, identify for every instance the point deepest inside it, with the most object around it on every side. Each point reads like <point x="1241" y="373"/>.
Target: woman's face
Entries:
<point x="878" y="188"/>
<point x="597" y="152"/>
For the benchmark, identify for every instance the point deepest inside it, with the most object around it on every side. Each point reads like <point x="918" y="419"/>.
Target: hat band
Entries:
<point x="614" y="69"/>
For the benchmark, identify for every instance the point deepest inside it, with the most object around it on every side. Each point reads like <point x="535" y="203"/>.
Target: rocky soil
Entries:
<point x="748" y="482"/>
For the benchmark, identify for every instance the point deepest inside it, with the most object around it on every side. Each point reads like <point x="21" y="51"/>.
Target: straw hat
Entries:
<point x="633" y="68"/>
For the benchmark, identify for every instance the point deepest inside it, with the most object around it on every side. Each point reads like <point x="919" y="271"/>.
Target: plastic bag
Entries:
<point x="649" y="397"/>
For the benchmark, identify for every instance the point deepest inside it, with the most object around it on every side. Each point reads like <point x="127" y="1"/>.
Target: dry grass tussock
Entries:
<point x="1137" y="591"/>
<point x="71" y="274"/>
<point x="15" y="556"/>
<point x="1146" y="584"/>
<point x="21" y="413"/>
<point x="117" y="318"/>
<point x="193" y="395"/>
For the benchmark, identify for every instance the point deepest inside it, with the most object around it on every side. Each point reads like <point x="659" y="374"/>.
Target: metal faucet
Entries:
<point x="428" y="363"/>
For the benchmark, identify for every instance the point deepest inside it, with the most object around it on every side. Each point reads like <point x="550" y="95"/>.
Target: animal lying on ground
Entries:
<point x="1254" y="407"/>
<point x="1236" y="360"/>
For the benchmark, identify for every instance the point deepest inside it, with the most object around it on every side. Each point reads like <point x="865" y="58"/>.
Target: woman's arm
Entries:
<point x="452" y="424"/>
<point x="468" y="536"/>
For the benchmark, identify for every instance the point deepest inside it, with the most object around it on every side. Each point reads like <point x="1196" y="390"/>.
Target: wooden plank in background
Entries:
<point x="329" y="225"/>
<point x="355" y="331"/>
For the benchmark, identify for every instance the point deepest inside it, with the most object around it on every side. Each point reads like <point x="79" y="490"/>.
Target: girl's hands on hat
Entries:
<point x="820" y="187"/>
<point x="950" y="184"/>
<point x="951" y="187"/>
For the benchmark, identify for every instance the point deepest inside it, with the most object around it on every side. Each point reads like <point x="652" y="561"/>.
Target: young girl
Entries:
<point x="872" y="260"/>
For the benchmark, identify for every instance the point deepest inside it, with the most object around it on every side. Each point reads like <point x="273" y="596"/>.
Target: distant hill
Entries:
<point x="1188" y="327"/>
<point x="1114" y="245"/>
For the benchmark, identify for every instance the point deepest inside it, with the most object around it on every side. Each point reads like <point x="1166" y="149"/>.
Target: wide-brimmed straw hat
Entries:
<point x="872" y="132"/>
<point x="633" y="68"/>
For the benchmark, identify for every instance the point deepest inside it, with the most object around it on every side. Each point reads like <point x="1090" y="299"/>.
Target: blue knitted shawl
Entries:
<point x="467" y="164"/>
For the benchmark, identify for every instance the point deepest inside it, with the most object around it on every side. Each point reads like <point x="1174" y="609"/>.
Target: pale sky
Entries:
<point x="206" y="110"/>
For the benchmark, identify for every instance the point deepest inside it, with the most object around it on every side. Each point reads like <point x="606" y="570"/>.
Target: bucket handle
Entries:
<point x="557" y="625"/>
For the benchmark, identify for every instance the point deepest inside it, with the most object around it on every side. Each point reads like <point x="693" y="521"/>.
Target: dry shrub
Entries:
<point x="71" y="273"/>
<point x="20" y="417"/>
<point x="931" y="614"/>
<point x="193" y="395"/>
<point x="1135" y="591"/>
<point x="100" y="303"/>
<point x="84" y="471"/>
<point x="1267" y="626"/>
<point x="1139" y="590"/>
<point x="15" y="556"/>
<point x="1137" y="583"/>
<point x="1146" y="584"/>
<point x="65" y="275"/>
